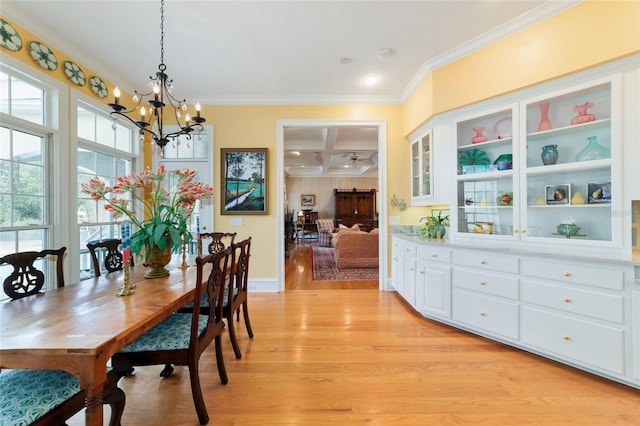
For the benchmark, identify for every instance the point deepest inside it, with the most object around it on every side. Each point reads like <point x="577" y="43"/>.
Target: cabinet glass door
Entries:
<point x="486" y="193"/>
<point x="568" y="166"/>
<point x="421" y="168"/>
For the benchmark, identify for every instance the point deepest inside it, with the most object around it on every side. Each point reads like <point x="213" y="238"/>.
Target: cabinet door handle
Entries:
<point x="567" y="338"/>
<point x="434" y="255"/>
<point x="422" y="272"/>
<point x="567" y="274"/>
<point x="483" y="314"/>
<point x="524" y="231"/>
<point x="395" y="258"/>
<point x="483" y="283"/>
<point x="411" y="269"/>
<point x="483" y="262"/>
<point x="566" y="300"/>
<point x="515" y="231"/>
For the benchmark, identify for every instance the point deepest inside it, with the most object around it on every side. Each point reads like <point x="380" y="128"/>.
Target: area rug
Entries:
<point x="324" y="267"/>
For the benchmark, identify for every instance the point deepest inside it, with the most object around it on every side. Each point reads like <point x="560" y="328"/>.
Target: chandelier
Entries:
<point x="158" y="98"/>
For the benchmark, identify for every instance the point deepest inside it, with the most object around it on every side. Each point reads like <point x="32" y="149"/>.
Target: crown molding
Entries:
<point x="539" y="14"/>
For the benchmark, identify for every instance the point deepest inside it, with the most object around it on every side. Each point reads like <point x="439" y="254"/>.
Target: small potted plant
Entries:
<point x="434" y="226"/>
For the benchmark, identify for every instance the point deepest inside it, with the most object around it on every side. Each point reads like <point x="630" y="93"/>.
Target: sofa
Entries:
<point x="356" y="249"/>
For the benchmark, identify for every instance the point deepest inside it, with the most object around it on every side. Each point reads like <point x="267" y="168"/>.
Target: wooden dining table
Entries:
<point x="77" y="328"/>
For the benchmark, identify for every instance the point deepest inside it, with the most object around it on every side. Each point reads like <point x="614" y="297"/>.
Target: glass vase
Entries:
<point x="593" y="151"/>
<point x="549" y="154"/>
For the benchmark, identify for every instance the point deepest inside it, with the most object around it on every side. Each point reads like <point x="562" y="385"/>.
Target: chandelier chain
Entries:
<point x="162" y="32"/>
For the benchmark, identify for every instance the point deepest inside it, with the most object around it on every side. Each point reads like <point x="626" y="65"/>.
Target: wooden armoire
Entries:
<point x="356" y="206"/>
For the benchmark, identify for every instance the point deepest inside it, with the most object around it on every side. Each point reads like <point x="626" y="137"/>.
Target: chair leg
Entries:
<point x="222" y="371"/>
<point x="116" y="401"/>
<point x="196" y="392"/>
<point x="245" y="313"/>
<point x="167" y="370"/>
<point x="233" y="337"/>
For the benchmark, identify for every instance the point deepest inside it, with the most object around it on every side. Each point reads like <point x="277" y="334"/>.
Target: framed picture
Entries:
<point x="558" y="194"/>
<point x="244" y="181"/>
<point x="308" y="200"/>
<point x="599" y="192"/>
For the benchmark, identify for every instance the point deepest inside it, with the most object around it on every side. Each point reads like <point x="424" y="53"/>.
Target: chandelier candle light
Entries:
<point x="159" y="98"/>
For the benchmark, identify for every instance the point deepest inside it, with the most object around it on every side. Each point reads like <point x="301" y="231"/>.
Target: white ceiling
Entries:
<point x="288" y="52"/>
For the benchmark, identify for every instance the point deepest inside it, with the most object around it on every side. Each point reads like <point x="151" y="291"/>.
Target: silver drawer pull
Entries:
<point x="567" y="338"/>
<point x="567" y="274"/>
<point x="566" y="300"/>
<point x="483" y="283"/>
<point x="483" y="314"/>
<point x="483" y="262"/>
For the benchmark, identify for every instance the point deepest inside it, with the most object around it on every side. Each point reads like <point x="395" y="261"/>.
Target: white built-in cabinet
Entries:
<point x="506" y="191"/>
<point x="506" y="270"/>
<point x="581" y="312"/>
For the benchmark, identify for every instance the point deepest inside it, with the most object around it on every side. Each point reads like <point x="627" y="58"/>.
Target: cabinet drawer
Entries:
<point x="434" y="254"/>
<point x="407" y="249"/>
<point x="582" y="341"/>
<point x="485" y="313"/>
<point x="483" y="260"/>
<point x="486" y="282"/>
<point x="608" y="307"/>
<point x="576" y="273"/>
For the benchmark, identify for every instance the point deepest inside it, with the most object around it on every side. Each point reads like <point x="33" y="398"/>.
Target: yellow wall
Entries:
<point x="252" y="126"/>
<point x="588" y="35"/>
<point x="585" y="36"/>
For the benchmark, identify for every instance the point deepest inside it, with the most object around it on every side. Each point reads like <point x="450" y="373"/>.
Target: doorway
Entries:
<point x="357" y="155"/>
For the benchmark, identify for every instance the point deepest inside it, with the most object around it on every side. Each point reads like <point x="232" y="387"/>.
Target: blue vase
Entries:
<point x="593" y="151"/>
<point x="549" y="154"/>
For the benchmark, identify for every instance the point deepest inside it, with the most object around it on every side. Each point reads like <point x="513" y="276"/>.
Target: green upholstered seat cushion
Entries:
<point x="171" y="334"/>
<point x="27" y="395"/>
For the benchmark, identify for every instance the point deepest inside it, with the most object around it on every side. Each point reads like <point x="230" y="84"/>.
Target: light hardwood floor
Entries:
<point x="331" y="356"/>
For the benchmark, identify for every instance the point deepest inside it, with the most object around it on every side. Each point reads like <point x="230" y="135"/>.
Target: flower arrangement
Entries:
<point x="165" y="214"/>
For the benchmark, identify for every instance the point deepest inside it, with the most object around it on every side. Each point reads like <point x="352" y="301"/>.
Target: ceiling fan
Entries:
<point x="354" y="159"/>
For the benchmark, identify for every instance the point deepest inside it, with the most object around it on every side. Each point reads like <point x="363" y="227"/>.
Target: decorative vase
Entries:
<point x="439" y="228"/>
<point x="156" y="260"/>
<point x="593" y="151"/>
<point x="504" y="162"/>
<point x="549" y="154"/>
<point x="583" y="115"/>
<point x="568" y="230"/>
<point x="545" y="124"/>
<point x="479" y="137"/>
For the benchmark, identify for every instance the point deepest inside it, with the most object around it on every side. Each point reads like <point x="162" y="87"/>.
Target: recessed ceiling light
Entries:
<point x="371" y="80"/>
<point x="345" y="61"/>
<point x="385" y="53"/>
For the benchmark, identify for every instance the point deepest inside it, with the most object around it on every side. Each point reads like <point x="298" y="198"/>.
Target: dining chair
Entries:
<point x="50" y="397"/>
<point x="236" y="295"/>
<point x="113" y="259"/>
<point x="183" y="337"/>
<point x="26" y="279"/>
<point x="219" y="240"/>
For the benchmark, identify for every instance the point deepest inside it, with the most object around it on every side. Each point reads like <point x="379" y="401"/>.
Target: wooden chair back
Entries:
<point x="219" y="240"/>
<point x="26" y="279"/>
<point x="237" y="292"/>
<point x="113" y="260"/>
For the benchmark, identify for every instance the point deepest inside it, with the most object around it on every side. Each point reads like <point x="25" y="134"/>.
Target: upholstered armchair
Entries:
<point x="325" y="229"/>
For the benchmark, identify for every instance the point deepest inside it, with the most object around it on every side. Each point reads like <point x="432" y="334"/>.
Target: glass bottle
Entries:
<point x="593" y="151"/>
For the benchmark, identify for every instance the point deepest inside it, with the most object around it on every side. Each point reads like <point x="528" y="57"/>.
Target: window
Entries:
<point x="25" y="217"/>
<point x="186" y="147"/>
<point x="104" y="150"/>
